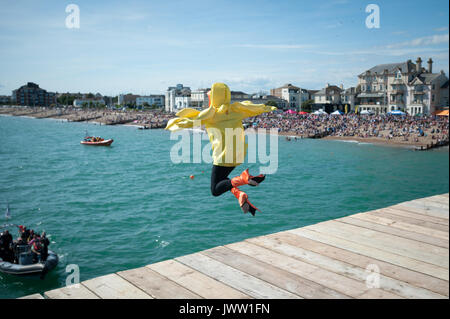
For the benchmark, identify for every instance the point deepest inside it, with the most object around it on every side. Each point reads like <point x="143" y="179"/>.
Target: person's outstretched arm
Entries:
<point x="248" y="109"/>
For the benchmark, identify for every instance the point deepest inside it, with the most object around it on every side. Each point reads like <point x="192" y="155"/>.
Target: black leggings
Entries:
<point x="220" y="183"/>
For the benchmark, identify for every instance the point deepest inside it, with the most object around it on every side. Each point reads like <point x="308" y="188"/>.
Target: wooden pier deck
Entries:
<point x="401" y="251"/>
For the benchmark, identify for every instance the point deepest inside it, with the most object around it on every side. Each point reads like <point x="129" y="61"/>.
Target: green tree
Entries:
<point x="272" y="103"/>
<point x="307" y="105"/>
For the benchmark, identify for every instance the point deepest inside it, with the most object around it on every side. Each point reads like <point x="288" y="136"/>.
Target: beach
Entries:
<point x="289" y="126"/>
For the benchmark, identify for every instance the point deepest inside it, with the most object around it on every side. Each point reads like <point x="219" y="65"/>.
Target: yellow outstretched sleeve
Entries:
<point x="188" y="118"/>
<point x="248" y="109"/>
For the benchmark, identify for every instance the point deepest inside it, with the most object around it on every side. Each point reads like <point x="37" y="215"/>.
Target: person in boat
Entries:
<point x="24" y="233"/>
<point x="36" y="248"/>
<point x="5" y="246"/>
<point x="21" y="241"/>
<point x="45" y="243"/>
<point x="221" y="116"/>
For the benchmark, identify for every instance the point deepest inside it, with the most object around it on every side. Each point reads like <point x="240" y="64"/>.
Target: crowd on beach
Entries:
<point x="406" y="129"/>
<point x="35" y="242"/>
<point x="417" y="130"/>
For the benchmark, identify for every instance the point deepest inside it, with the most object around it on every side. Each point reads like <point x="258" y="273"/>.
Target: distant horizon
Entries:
<point x="144" y="47"/>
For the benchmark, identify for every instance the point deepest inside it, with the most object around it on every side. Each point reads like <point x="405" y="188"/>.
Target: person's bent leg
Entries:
<point x="220" y="183"/>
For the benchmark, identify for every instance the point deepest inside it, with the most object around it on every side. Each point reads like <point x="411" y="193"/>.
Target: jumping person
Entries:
<point x="223" y="118"/>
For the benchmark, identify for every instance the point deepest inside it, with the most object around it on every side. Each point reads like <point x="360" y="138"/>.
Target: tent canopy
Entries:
<point x="443" y="113"/>
<point x="303" y="113"/>
<point x="367" y="112"/>
<point x="320" y="112"/>
<point x="398" y="112"/>
<point x="337" y="112"/>
<point x="291" y="112"/>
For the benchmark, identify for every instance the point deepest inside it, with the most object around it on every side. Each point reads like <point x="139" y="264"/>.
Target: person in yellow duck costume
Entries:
<point x="223" y="122"/>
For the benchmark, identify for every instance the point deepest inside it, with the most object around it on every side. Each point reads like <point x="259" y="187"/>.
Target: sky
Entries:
<point x="145" y="46"/>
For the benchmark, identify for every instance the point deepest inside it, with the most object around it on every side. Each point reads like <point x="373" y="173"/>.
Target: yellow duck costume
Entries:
<point x="220" y="116"/>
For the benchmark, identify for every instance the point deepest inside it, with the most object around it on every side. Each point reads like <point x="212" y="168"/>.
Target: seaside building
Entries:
<point x="90" y="102"/>
<point x="265" y="99"/>
<point x="349" y="97"/>
<point x="199" y="98"/>
<point x="328" y="98"/>
<point x="127" y="99"/>
<point x="5" y="99"/>
<point x="171" y="103"/>
<point x="32" y="95"/>
<point x="405" y="86"/>
<point x="182" y="101"/>
<point x="291" y="94"/>
<point x="157" y="100"/>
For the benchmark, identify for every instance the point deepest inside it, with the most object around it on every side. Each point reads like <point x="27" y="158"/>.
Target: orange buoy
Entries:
<point x="191" y="177"/>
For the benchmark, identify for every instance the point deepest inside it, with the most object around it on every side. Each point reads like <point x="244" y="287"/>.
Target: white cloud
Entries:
<point x="441" y="29"/>
<point x="429" y="40"/>
<point x="275" y="46"/>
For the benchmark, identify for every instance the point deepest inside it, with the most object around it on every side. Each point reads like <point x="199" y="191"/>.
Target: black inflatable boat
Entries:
<point x="26" y="265"/>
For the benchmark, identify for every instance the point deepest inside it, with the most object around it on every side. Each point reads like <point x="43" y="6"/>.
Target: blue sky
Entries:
<point x="145" y="46"/>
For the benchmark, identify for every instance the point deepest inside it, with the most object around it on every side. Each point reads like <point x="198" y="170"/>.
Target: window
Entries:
<point x="432" y="98"/>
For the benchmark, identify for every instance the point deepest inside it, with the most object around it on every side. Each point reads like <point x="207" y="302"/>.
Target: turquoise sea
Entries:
<point x="120" y="207"/>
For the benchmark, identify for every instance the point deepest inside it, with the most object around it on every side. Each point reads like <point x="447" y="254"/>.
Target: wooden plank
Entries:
<point x="239" y="280"/>
<point x="420" y="251"/>
<point x="114" y="287"/>
<point x="285" y="280"/>
<point x="195" y="281"/>
<point x="386" y="283"/>
<point x="426" y="202"/>
<point x="387" y="269"/>
<point x="427" y="232"/>
<point x="439" y="199"/>
<point x="388" y="214"/>
<point x="395" y="231"/>
<point x="373" y="252"/>
<point x="334" y="281"/>
<point x="425" y="218"/>
<point x="423" y="202"/>
<point x="77" y="291"/>
<point x="155" y="285"/>
<point x="422" y="209"/>
<point x="34" y="296"/>
<point x="400" y="242"/>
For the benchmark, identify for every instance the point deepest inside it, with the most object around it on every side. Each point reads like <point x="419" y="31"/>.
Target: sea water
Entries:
<point x="114" y="208"/>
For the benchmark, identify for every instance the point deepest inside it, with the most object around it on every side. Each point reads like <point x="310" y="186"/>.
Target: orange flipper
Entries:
<point x="245" y="204"/>
<point x="245" y="178"/>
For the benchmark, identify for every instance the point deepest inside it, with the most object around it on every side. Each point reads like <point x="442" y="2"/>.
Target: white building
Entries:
<point x="405" y="86"/>
<point x="182" y="101"/>
<point x="291" y="94"/>
<point x="199" y="98"/>
<point x="173" y="92"/>
<point x="157" y="100"/>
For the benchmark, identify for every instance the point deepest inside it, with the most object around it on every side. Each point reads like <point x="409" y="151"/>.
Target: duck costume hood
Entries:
<point x="223" y="122"/>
